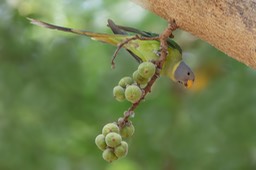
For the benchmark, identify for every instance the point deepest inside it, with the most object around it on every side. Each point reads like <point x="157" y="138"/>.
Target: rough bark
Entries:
<point x="229" y="25"/>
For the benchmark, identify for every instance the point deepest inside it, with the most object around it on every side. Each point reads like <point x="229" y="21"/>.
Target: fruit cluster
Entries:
<point x="131" y="88"/>
<point x="111" y="140"/>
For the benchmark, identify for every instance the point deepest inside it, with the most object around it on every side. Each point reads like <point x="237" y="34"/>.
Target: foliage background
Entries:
<point x="56" y="94"/>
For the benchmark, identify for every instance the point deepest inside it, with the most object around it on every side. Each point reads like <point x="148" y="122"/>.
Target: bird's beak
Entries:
<point x="189" y="83"/>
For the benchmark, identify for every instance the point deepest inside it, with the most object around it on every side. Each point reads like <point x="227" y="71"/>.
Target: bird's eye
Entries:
<point x="188" y="73"/>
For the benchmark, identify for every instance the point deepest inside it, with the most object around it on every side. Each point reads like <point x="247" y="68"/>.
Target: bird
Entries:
<point x="141" y="49"/>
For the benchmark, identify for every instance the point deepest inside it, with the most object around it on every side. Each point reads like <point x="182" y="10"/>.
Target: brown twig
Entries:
<point x="159" y="64"/>
<point x="136" y="37"/>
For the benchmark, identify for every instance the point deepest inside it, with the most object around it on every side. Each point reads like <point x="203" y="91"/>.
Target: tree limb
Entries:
<point x="172" y="26"/>
<point x="229" y="25"/>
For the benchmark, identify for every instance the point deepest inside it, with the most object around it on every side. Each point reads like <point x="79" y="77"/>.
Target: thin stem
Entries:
<point x="126" y="41"/>
<point x="159" y="64"/>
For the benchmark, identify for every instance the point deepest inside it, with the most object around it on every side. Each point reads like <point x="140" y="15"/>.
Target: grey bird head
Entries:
<point x="184" y="75"/>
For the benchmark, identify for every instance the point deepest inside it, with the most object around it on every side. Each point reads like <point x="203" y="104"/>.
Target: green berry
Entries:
<point x="139" y="79"/>
<point x="125" y="81"/>
<point x="127" y="131"/>
<point x="147" y="69"/>
<point x="110" y="127"/>
<point x="121" y="150"/>
<point x="118" y="93"/>
<point x="113" y="139"/>
<point x="133" y="93"/>
<point x="109" y="155"/>
<point x="100" y="142"/>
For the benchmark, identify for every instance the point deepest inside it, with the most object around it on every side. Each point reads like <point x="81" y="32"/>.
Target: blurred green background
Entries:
<point x="56" y="95"/>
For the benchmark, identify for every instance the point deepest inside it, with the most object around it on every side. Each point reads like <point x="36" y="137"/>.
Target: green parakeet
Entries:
<point x="142" y="50"/>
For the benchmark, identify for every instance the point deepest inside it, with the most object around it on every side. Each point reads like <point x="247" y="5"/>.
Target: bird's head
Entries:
<point x="183" y="74"/>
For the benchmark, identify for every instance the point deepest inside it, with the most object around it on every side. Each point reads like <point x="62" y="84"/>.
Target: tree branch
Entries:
<point x="229" y="25"/>
<point x="159" y="64"/>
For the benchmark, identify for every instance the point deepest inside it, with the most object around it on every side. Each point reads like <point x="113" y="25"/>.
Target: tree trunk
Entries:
<point x="229" y="25"/>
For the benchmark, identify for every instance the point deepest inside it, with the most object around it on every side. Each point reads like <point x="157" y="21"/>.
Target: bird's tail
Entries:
<point x="107" y="38"/>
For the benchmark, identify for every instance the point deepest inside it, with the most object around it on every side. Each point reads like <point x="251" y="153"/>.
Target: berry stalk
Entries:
<point x="159" y="64"/>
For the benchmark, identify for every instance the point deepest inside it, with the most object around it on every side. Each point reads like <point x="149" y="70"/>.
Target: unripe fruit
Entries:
<point x="109" y="155"/>
<point x="100" y="142"/>
<point x="110" y="127"/>
<point x="139" y="79"/>
<point x="125" y="81"/>
<point x="113" y="139"/>
<point x="121" y="150"/>
<point x="118" y="93"/>
<point x="147" y="69"/>
<point x="127" y="131"/>
<point x="133" y="93"/>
